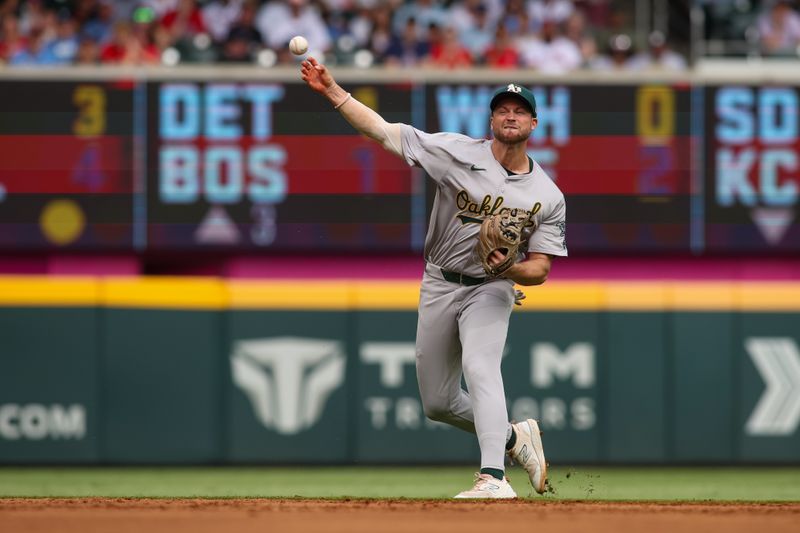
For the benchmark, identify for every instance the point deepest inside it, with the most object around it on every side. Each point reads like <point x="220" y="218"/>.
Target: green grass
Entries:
<point x="692" y="484"/>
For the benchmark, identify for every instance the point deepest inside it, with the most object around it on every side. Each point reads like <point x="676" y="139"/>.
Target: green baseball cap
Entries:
<point x="518" y="91"/>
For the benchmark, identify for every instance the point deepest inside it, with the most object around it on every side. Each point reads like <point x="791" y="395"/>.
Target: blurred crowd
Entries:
<point x="751" y="27"/>
<point x="553" y="36"/>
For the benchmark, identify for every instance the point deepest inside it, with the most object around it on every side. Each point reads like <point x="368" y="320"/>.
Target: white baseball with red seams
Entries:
<point x="298" y="45"/>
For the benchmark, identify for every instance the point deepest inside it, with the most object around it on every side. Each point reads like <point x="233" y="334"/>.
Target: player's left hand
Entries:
<point x="496" y="258"/>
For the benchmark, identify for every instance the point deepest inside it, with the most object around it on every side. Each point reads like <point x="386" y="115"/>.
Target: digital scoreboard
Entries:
<point x="271" y="166"/>
<point x="243" y="166"/>
<point x="66" y="167"/>
<point x="751" y="168"/>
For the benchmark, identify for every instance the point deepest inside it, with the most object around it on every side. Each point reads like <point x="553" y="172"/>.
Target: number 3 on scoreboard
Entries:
<point x="91" y="103"/>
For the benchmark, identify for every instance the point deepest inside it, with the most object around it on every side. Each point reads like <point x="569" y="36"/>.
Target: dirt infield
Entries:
<point x="356" y="516"/>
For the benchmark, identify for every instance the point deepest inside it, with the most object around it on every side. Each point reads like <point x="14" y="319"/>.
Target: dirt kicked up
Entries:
<point x="362" y="516"/>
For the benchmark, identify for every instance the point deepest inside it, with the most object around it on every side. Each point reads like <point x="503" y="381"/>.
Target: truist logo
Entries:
<point x="288" y="379"/>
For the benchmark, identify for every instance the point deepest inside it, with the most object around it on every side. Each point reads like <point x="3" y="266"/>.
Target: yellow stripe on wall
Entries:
<point x="767" y="296"/>
<point x="701" y="296"/>
<point x="572" y="296"/>
<point x="44" y="291"/>
<point x="196" y="293"/>
<point x="386" y="295"/>
<point x="636" y="296"/>
<point x="289" y="294"/>
<point x="165" y="292"/>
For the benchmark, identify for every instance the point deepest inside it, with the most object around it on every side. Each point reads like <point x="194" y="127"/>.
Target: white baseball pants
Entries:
<point x="462" y="330"/>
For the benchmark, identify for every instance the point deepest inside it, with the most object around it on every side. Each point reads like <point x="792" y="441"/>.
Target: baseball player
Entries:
<point x="466" y="299"/>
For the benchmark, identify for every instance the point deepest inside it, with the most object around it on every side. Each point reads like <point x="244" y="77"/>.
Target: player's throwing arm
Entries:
<point x="361" y="117"/>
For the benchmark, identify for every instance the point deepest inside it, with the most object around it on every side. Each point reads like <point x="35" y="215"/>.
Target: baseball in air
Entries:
<point x="298" y="45"/>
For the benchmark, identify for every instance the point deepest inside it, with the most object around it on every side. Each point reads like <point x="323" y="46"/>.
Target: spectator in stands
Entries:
<point x="188" y="33"/>
<point x="381" y="37"/>
<point x="408" y="50"/>
<point x="619" y="53"/>
<point x="30" y="55"/>
<point x="219" y="16"/>
<point x="114" y="50"/>
<point x="11" y="40"/>
<point x="129" y="47"/>
<point x="88" y="52"/>
<point x="495" y="10"/>
<point x="618" y="23"/>
<point x="63" y="48"/>
<point x="779" y="29"/>
<point x="658" y="56"/>
<point x="51" y="20"/>
<point x="84" y="10"/>
<point x="244" y="40"/>
<point x="343" y="42"/>
<point x="123" y="9"/>
<point x="597" y="12"/>
<point x="515" y="18"/>
<point x="541" y="11"/>
<point x="32" y="15"/>
<point x="549" y="52"/>
<point x="185" y="21"/>
<point x="466" y="15"/>
<point x="503" y="52"/>
<point x="575" y="29"/>
<point x="361" y="23"/>
<point x="280" y="20"/>
<point x="52" y="41"/>
<point x="97" y="21"/>
<point x="479" y="36"/>
<point x="435" y="36"/>
<point x="157" y="35"/>
<point x="424" y="12"/>
<point x="450" y="53"/>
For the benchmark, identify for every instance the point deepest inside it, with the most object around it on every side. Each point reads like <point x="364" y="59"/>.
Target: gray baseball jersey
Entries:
<point x="473" y="185"/>
<point x="462" y="329"/>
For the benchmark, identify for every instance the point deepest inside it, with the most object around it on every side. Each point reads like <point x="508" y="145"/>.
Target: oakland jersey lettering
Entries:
<point x="470" y="186"/>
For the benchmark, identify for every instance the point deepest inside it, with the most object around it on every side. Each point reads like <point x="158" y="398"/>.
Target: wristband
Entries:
<point x="337" y="106"/>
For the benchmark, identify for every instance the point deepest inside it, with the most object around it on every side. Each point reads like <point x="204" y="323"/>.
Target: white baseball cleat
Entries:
<point x="528" y="452"/>
<point x="488" y="486"/>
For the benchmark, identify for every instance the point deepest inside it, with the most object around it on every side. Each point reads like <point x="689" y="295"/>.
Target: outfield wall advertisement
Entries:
<point x="218" y="374"/>
<point x="49" y="386"/>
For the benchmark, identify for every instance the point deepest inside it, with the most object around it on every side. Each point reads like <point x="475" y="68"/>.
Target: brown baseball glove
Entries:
<point x="502" y="231"/>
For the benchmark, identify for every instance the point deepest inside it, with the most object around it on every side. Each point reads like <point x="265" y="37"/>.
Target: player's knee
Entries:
<point x="437" y="410"/>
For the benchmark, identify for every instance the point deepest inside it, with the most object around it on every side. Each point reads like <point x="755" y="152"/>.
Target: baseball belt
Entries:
<point x="463" y="279"/>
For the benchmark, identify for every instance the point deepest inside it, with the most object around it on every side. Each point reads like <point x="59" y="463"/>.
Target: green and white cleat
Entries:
<point x="529" y="453"/>
<point x="487" y="486"/>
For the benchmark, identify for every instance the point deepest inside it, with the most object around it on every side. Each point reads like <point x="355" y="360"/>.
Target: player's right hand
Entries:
<point x="316" y="75"/>
<point x="518" y="297"/>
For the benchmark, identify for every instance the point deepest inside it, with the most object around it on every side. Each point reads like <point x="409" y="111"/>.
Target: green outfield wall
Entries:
<point x="207" y="371"/>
